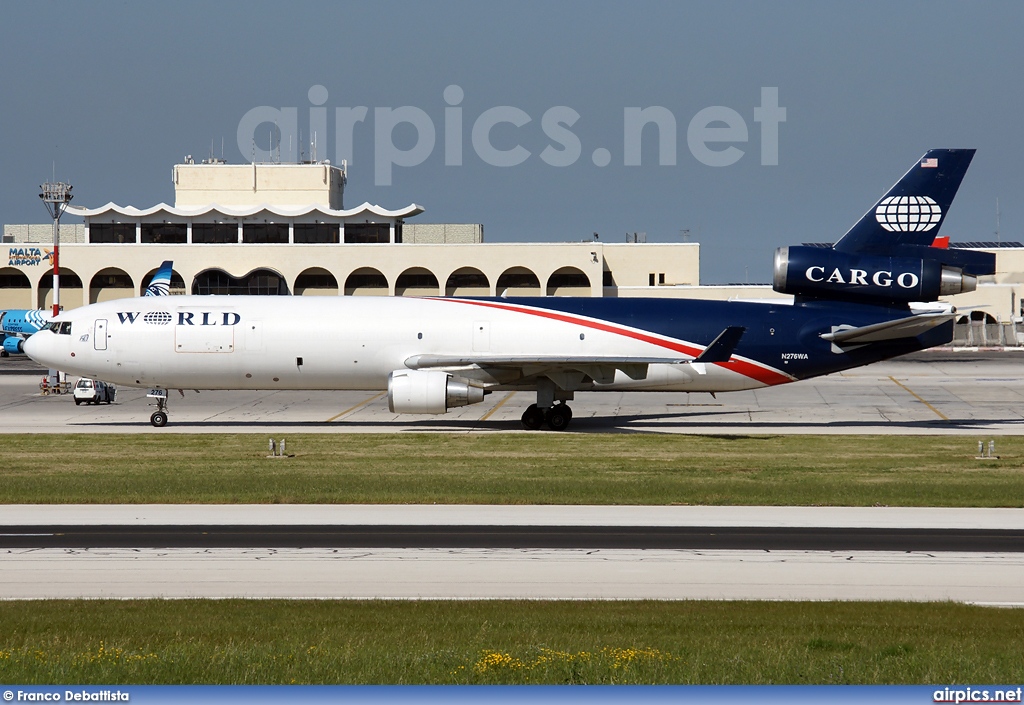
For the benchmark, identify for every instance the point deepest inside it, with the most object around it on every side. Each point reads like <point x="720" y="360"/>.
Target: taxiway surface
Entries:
<point x="935" y="392"/>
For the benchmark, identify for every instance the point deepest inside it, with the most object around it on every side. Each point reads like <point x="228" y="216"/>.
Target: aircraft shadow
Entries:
<point x="633" y="423"/>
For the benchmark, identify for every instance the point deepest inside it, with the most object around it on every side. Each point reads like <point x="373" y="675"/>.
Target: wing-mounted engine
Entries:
<point x="13" y="344"/>
<point x="828" y="273"/>
<point x="429" y="392"/>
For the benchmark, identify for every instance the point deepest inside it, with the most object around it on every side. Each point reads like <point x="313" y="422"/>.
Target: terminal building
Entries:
<point x="282" y="229"/>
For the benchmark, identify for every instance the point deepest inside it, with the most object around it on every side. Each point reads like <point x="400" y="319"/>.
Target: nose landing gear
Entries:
<point x="159" y="417"/>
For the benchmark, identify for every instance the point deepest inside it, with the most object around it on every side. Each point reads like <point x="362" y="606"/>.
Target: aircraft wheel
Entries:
<point x="533" y="418"/>
<point x="558" y="417"/>
<point x="4" y="353"/>
<point x="158" y="419"/>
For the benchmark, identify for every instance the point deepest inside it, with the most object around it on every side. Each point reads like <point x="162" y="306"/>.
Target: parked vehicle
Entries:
<point x="93" y="391"/>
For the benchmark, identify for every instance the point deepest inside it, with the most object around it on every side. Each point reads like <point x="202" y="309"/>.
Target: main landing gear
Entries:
<point x="556" y="417"/>
<point x="550" y="409"/>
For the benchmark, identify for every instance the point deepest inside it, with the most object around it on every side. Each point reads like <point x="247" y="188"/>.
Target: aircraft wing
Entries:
<point x="909" y="327"/>
<point x="601" y="368"/>
<point x="419" y="362"/>
<point x="567" y="370"/>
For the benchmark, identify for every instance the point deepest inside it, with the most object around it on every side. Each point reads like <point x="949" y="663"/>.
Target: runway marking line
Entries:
<point x="361" y="404"/>
<point x="497" y="406"/>
<point x="918" y="397"/>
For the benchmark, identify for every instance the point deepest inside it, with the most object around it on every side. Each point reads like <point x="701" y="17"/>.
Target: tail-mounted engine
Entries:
<point x="429" y="392"/>
<point x="828" y="273"/>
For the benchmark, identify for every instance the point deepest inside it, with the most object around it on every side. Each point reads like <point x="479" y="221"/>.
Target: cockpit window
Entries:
<point x="60" y="328"/>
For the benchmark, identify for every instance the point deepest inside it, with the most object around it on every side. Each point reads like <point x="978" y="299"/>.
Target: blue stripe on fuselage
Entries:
<point x="777" y="335"/>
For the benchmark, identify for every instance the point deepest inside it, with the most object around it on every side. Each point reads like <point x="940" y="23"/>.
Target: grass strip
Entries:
<point x="544" y="468"/>
<point x="507" y="642"/>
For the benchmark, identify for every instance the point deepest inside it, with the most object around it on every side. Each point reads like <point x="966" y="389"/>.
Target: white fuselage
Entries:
<point x="266" y="342"/>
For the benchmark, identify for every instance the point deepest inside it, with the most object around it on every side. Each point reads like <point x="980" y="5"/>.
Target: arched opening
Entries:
<point x="316" y="281"/>
<point x="417" y="281"/>
<point x="259" y="282"/>
<point x="568" y="281"/>
<point x="71" y="292"/>
<point x="109" y="284"/>
<point x="467" y="281"/>
<point x="366" y="281"/>
<point x="518" y="281"/>
<point x="177" y="283"/>
<point x="15" y="289"/>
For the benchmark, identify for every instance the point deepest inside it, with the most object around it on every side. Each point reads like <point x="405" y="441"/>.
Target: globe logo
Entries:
<point x="157" y="318"/>
<point x="908" y="213"/>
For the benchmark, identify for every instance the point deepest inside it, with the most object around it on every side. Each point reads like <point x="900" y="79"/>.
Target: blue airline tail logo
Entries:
<point x="161" y="284"/>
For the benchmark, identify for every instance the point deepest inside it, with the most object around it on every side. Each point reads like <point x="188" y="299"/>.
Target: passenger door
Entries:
<point x="99" y="334"/>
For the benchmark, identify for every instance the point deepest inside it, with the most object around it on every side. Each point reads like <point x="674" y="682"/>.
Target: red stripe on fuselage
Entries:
<point x="747" y="368"/>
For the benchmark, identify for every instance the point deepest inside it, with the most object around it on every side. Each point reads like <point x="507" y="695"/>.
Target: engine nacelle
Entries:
<point x="827" y="273"/>
<point x="14" y="344"/>
<point x="429" y="392"/>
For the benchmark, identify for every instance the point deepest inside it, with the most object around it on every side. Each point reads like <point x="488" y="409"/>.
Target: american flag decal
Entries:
<point x="930" y="163"/>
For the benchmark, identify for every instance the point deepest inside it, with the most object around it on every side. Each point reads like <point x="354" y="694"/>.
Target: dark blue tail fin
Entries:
<point x="893" y="255"/>
<point x="906" y="220"/>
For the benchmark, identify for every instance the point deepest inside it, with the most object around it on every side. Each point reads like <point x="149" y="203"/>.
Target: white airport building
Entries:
<point x="283" y="229"/>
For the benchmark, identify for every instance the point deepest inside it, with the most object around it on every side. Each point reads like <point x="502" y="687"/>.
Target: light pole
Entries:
<point x="56" y="197"/>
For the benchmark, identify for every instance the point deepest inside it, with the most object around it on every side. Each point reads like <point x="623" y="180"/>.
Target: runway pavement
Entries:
<point x="935" y="392"/>
<point x="763" y="538"/>
<point x="435" y="573"/>
<point x="774" y="572"/>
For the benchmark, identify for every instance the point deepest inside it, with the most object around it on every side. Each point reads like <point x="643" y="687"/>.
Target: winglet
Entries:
<point x="721" y="348"/>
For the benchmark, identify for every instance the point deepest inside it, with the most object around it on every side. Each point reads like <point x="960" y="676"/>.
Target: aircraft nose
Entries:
<point x="36" y="348"/>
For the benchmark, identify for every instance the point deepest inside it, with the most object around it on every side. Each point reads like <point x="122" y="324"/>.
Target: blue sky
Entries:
<point x="115" y="93"/>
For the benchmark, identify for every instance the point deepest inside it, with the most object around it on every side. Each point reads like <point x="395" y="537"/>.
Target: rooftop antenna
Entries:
<point x="997" y="221"/>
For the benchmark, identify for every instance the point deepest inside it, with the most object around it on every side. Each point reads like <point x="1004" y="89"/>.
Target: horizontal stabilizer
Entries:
<point x="721" y="347"/>
<point x="909" y="327"/>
